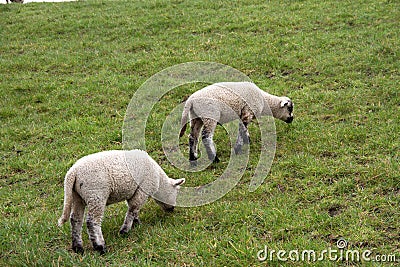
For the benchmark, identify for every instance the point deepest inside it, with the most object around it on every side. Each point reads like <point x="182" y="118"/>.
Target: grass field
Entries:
<point x="69" y="70"/>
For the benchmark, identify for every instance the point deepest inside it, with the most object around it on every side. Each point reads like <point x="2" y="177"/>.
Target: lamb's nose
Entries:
<point x="170" y="209"/>
<point x="289" y="120"/>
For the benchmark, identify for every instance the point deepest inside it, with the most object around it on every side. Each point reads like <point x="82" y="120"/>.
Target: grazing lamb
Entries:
<point x="108" y="177"/>
<point x="224" y="102"/>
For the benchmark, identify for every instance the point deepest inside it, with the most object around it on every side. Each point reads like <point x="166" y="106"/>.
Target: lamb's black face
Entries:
<point x="169" y="209"/>
<point x="289" y="120"/>
<point x="290" y="111"/>
<point x="165" y="207"/>
<point x="287" y="108"/>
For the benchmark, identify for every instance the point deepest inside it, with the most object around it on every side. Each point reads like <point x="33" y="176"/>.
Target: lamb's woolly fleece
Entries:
<point x="112" y="176"/>
<point x="228" y="101"/>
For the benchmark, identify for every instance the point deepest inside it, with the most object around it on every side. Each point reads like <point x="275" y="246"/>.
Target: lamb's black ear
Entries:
<point x="284" y="103"/>
<point x="179" y="181"/>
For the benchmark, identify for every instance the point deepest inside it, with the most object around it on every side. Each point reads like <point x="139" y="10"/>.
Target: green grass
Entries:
<point x="69" y="70"/>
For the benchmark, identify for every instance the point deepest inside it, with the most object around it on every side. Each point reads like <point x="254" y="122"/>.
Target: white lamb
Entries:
<point x="223" y="102"/>
<point x="108" y="177"/>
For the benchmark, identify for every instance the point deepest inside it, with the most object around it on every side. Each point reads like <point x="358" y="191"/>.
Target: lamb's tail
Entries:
<point x="68" y="187"/>
<point x="185" y="118"/>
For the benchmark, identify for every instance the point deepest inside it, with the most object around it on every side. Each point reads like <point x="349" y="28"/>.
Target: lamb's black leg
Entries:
<point x="192" y="151"/>
<point x="195" y="126"/>
<point x="76" y="219"/>
<point x="245" y="134"/>
<point x="93" y="222"/>
<point x="207" y="138"/>
<point x="132" y="215"/>
<point x="243" y="137"/>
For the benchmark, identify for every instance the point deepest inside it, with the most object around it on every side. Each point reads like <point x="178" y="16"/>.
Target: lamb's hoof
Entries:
<point x="78" y="249"/>
<point x="216" y="160"/>
<point x="100" y="248"/>
<point x="123" y="232"/>
<point x="170" y="209"/>
<point x="193" y="163"/>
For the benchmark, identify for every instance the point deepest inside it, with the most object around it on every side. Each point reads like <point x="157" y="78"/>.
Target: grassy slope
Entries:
<point x="68" y="71"/>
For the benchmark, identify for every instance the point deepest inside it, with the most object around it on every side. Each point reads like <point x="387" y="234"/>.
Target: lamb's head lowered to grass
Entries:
<point x="223" y="102"/>
<point x="285" y="112"/>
